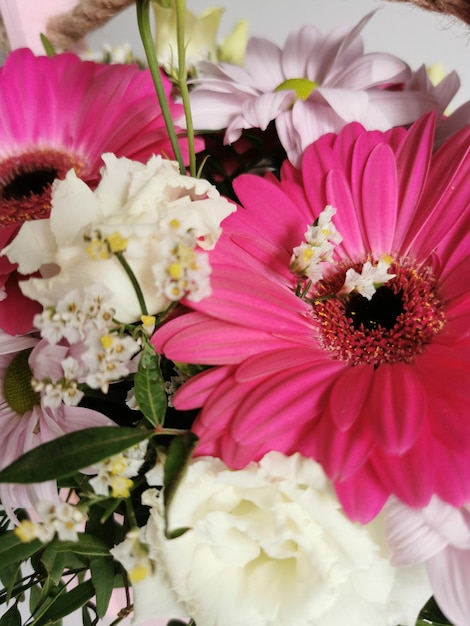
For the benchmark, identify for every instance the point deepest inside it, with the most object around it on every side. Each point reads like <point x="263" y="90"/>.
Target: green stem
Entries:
<point x="143" y="21"/>
<point x="180" y="6"/>
<point x="131" y="518"/>
<point x="134" y="281"/>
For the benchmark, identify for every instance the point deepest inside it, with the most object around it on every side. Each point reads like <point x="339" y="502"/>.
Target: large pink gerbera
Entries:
<point x="314" y="85"/>
<point x="61" y="113"/>
<point x="376" y="386"/>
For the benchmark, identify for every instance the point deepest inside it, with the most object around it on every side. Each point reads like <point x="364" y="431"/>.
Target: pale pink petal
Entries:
<point x="263" y="58"/>
<point x="26" y="21"/>
<point x="258" y="112"/>
<point x="410" y="537"/>
<point x="368" y="71"/>
<point x="449" y="573"/>
<point x="298" y="50"/>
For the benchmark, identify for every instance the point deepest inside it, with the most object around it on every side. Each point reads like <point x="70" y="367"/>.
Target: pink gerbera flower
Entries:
<point x="25" y="421"/>
<point x="367" y="375"/>
<point x="314" y="85"/>
<point x="61" y="113"/>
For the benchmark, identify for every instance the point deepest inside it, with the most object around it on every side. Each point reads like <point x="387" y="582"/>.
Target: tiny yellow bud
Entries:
<point x="175" y="223"/>
<point x="116" y="242"/>
<point x="175" y="271"/>
<point x="98" y="250"/>
<point x="307" y="254"/>
<point x="117" y="465"/>
<point x="120" y="487"/>
<point x="25" y="531"/>
<point x="107" y="341"/>
<point x="139" y="572"/>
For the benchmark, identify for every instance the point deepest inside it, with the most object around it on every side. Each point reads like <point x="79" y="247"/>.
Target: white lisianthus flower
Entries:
<point x="146" y="212"/>
<point x="270" y="545"/>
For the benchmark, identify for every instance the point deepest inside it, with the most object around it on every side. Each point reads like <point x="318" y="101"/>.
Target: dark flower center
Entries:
<point x="26" y="183"/>
<point x="396" y="324"/>
<point x="383" y="309"/>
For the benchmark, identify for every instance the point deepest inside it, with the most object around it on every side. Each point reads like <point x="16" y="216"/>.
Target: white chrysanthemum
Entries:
<point x="270" y="545"/>
<point x="141" y="211"/>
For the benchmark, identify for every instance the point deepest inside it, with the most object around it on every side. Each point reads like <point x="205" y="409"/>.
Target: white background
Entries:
<point x="415" y="35"/>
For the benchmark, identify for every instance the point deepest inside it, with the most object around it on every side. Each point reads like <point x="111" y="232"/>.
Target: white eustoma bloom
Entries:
<point x="148" y="208"/>
<point x="270" y="545"/>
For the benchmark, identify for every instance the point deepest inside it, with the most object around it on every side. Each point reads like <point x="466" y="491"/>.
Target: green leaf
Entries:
<point x="13" y="550"/>
<point x="86" y="617"/>
<point x="70" y="453"/>
<point x="10" y="577"/>
<point x="53" y="562"/>
<point x="11" y="618"/>
<point x="86" y="545"/>
<point x="102" y="575"/>
<point x="149" y="387"/>
<point x="66" y="603"/>
<point x="178" y="457"/>
<point x="48" y="47"/>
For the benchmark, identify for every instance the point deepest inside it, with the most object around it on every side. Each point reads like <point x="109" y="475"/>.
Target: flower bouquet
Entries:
<point x="234" y="316"/>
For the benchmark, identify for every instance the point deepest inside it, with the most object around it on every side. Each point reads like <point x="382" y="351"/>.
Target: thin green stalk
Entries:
<point x="134" y="281"/>
<point x="143" y="21"/>
<point x="180" y="6"/>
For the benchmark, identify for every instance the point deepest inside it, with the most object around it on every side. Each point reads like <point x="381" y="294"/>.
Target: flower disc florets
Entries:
<point x="395" y="324"/>
<point x="26" y="182"/>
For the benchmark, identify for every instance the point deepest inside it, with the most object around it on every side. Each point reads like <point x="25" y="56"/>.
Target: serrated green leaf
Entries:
<point x="65" y="603"/>
<point x="13" y="550"/>
<point x="178" y="457"/>
<point x="149" y="387"/>
<point x="70" y="453"/>
<point x="102" y="575"/>
<point x="12" y="617"/>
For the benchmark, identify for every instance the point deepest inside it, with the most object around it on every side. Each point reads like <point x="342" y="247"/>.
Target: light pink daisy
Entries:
<point x="375" y="389"/>
<point x="61" y="113"/>
<point x="439" y="536"/>
<point x="25" y="422"/>
<point x="314" y="85"/>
